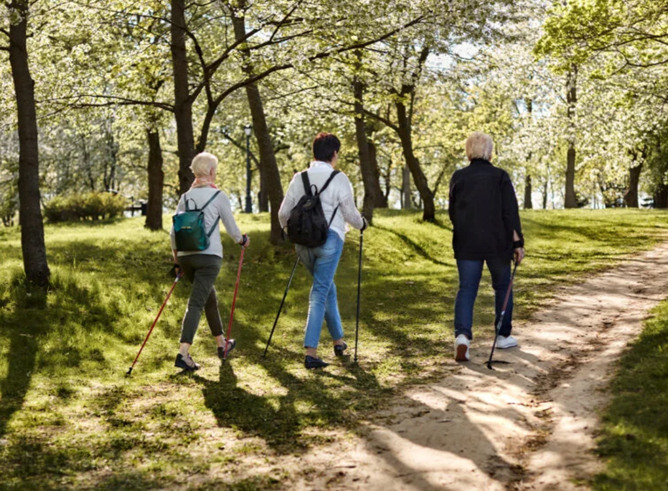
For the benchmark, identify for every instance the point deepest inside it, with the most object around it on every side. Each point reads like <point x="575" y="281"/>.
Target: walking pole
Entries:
<point x="178" y="277"/>
<point x="359" y="288"/>
<point x="497" y="328"/>
<point x="264" y="355"/>
<point x="234" y="302"/>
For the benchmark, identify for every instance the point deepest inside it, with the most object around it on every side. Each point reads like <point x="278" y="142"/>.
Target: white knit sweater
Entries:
<point x="339" y="192"/>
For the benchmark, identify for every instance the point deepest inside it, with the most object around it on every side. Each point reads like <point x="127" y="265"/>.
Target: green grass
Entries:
<point x="69" y="418"/>
<point x="634" y="440"/>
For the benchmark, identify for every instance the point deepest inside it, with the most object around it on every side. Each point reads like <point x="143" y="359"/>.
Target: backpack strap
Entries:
<point x="210" y="200"/>
<point x="331" y="176"/>
<point x="213" y="227"/>
<point x="307" y="183"/>
<point x="333" y="215"/>
<point x="185" y="202"/>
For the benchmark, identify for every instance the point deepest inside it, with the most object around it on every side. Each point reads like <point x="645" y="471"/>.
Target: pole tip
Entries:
<point x="129" y="372"/>
<point x="489" y="365"/>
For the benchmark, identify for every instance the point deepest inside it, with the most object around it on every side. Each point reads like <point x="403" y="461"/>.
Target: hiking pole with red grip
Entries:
<point x="497" y="328"/>
<point x="176" y="280"/>
<point x="234" y="302"/>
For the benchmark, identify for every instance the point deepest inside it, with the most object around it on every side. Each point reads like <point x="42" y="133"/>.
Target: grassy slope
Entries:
<point x="68" y="417"/>
<point x="634" y="440"/>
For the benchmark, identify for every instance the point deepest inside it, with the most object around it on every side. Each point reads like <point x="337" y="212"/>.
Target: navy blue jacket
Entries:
<point x="484" y="212"/>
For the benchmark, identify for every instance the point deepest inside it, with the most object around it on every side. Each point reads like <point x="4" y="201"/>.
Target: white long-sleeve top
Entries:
<point x="218" y="209"/>
<point x="339" y="192"/>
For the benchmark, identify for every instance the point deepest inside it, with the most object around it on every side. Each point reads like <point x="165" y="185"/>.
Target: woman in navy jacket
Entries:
<point x="486" y="229"/>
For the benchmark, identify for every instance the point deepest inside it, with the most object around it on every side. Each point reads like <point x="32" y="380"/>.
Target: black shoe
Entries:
<point x="339" y="349"/>
<point x="181" y="363"/>
<point x="311" y="363"/>
<point x="230" y="346"/>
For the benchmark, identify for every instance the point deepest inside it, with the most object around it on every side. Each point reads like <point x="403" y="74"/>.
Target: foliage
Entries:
<point x="69" y="417"/>
<point x="86" y="206"/>
<point x="634" y="440"/>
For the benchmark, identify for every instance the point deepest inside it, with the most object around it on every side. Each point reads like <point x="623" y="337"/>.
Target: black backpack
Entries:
<point x="307" y="225"/>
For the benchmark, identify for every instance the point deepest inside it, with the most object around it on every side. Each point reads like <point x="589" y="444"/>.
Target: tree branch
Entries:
<point x="117" y="100"/>
<point x="239" y="146"/>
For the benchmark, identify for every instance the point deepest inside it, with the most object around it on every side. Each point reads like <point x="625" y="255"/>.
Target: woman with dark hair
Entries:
<point x="338" y="204"/>
<point x="486" y="229"/>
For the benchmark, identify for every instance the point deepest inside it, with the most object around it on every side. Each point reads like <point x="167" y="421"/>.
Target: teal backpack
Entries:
<point x="189" y="231"/>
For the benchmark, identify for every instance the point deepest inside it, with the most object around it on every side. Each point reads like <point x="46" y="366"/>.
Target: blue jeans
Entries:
<point x="470" y="273"/>
<point x="323" y="305"/>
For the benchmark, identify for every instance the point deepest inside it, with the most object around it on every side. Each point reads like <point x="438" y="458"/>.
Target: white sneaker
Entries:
<point x="503" y="342"/>
<point x="462" y="348"/>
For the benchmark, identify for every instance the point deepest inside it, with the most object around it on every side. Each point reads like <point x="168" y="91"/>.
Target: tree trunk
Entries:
<point x="381" y="198"/>
<point x="545" y="190"/>
<point x="30" y="218"/>
<point x="661" y="196"/>
<point x="631" y="195"/>
<point x="388" y="181"/>
<point x="182" y="101"/>
<point x="406" y="188"/>
<point x="570" y="200"/>
<point x="268" y="164"/>
<point x="156" y="178"/>
<point x="262" y="197"/>
<point x="420" y="180"/>
<point x="528" y="205"/>
<point x="369" y="178"/>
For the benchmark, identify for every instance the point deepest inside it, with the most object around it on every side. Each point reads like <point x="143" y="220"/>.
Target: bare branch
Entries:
<point x="239" y="146"/>
<point x="113" y="101"/>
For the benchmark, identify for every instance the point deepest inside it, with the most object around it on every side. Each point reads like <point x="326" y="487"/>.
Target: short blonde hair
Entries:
<point x="479" y="146"/>
<point x="203" y="163"/>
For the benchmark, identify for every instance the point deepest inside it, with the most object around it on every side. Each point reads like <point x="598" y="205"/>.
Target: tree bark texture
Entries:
<point x="381" y="198"/>
<point x="268" y="164"/>
<point x="369" y="176"/>
<point x="182" y="100"/>
<point x="406" y="202"/>
<point x="262" y="196"/>
<point x="570" y="200"/>
<point x="420" y="180"/>
<point x="661" y="196"/>
<point x="32" y="228"/>
<point x="156" y="178"/>
<point x="528" y="190"/>
<point x="631" y="195"/>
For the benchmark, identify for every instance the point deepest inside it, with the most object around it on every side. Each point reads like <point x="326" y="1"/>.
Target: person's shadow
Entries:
<point x="270" y="417"/>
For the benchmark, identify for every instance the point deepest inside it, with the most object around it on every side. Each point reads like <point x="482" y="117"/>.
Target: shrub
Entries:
<point x="87" y="206"/>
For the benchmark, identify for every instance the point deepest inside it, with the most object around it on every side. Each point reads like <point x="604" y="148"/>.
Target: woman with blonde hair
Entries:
<point x="201" y="267"/>
<point x="486" y="229"/>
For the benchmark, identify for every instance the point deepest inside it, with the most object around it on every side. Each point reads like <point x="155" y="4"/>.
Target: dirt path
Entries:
<point x="523" y="426"/>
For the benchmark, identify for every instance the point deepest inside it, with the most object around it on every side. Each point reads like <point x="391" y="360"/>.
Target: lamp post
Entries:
<point x="249" y="203"/>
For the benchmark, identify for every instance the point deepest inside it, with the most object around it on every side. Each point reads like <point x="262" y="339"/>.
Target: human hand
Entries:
<point x="176" y="270"/>
<point x="245" y="241"/>
<point x="365" y="224"/>
<point x="518" y="255"/>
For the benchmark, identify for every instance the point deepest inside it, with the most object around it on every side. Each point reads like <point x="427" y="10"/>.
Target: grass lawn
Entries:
<point x="70" y="418"/>
<point x="634" y="440"/>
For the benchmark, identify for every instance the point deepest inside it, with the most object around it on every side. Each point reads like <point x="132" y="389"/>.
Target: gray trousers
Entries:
<point x="201" y="270"/>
